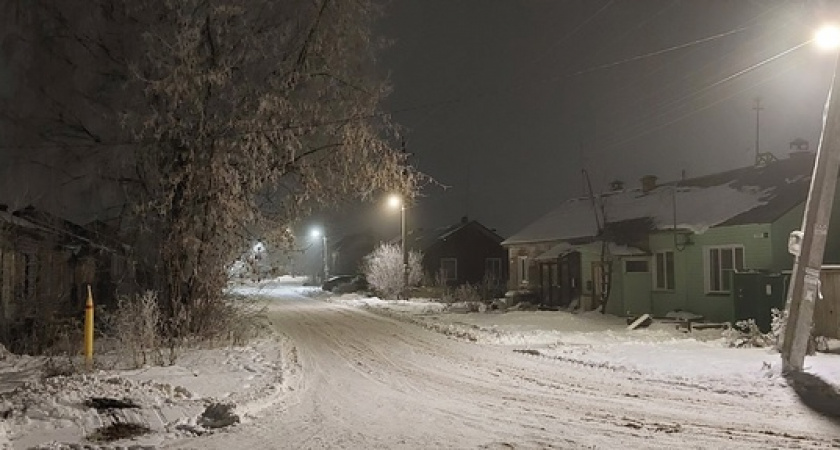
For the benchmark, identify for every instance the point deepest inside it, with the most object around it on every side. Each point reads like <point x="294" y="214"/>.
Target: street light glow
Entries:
<point x="315" y="233"/>
<point x="828" y="37"/>
<point x="394" y="201"/>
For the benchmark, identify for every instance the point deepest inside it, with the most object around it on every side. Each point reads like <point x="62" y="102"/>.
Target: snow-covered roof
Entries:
<point x="564" y="247"/>
<point x="746" y="195"/>
<point x="555" y="251"/>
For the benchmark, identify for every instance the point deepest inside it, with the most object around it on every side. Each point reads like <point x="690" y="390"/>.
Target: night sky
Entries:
<point x="505" y="102"/>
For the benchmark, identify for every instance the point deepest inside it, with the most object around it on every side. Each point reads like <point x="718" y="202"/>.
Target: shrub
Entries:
<point x="136" y="325"/>
<point x="777" y="331"/>
<point x="465" y="293"/>
<point x="383" y="269"/>
<point x="745" y="333"/>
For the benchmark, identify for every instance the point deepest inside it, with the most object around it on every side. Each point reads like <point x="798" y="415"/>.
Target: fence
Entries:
<point x="827" y="308"/>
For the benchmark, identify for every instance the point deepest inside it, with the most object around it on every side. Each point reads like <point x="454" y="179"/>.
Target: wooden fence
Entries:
<point x="827" y="308"/>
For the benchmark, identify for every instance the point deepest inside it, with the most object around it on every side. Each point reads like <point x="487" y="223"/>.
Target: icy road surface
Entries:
<point x="365" y="381"/>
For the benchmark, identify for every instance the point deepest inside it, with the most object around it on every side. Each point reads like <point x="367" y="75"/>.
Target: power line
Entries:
<point x="445" y="102"/>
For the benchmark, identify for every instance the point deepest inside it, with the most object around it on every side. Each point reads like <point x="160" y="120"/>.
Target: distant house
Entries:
<point x="348" y="253"/>
<point x="46" y="264"/>
<point x="657" y="248"/>
<point x="465" y="252"/>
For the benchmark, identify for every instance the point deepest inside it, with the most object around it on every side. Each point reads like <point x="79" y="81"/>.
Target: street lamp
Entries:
<point x="316" y="233"/>
<point x="827" y="37"/>
<point x="808" y="244"/>
<point x="396" y="201"/>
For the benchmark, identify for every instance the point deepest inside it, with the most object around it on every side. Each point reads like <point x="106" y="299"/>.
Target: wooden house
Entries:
<point x="658" y="248"/>
<point x="46" y="264"/>
<point x="465" y="252"/>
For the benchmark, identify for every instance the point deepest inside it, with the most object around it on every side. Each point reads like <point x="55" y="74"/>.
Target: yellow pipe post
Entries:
<point x="89" y="330"/>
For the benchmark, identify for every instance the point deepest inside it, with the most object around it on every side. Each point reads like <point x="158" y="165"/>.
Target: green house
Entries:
<point x="665" y="247"/>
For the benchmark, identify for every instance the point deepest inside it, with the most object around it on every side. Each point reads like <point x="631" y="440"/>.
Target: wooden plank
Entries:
<point x="827" y="308"/>
<point x="643" y="319"/>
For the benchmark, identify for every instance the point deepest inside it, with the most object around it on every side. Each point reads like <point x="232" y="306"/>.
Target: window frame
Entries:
<point x="522" y="269"/>
<point x="446" y="273"/>
<point x="494" y="271"/>
<point x="637" y="260"/>
<point x="669" y="277"/>
<point x="715" y="283"/>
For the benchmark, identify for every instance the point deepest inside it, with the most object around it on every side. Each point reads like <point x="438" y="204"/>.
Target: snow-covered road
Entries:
<point x="366" y="381"/>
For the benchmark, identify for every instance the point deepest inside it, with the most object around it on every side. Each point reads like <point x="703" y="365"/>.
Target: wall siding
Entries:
<point x="779" y="234"/>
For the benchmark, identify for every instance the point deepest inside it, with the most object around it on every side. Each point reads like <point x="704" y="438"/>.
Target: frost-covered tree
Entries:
<point x="384" y="270"/>
<point x="218" y="118"/>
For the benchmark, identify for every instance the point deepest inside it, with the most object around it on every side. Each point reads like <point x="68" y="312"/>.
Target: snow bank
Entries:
<point x="52" y="412"/>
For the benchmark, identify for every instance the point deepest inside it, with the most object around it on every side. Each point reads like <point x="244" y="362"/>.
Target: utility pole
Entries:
<point x="326" y="259"/>
<point x="404" y="248"/>
<point x="403" y="226"/>
<point x="757" y="109"/>
<point x="805" y="281"/>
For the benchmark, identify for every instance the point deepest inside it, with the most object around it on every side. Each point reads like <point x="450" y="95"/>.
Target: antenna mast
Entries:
<point x="761" y="159"/>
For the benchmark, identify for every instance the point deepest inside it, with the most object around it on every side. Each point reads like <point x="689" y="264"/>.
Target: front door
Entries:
<point x="549" y="284"/>
<point x="570" y="278"/>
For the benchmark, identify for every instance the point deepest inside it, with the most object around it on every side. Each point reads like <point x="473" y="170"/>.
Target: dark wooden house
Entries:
<point x="46" y="264"/>
<point x="348" y="253"/>
<point x="467" y="252"/>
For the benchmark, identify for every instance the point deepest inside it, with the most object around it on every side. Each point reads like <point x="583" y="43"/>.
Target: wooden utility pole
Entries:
<point x="805" y="281"/>
<point x="757" y="109"/>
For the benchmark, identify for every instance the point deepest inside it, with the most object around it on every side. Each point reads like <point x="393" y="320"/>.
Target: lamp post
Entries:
<point x="316" y="233"/>
<point x="396" y="201"/>
<point x="805" y="280"/>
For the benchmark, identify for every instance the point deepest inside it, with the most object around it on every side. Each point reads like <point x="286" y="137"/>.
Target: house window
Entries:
<point x="663" y="278"/>
<point x="30" y="275"/>
<point x="493" y="268"/>
<point x="449" y="269"/>
<point x="721" y="262"/>
<point x="636" y="266"/>
<point x="523" y="269"/>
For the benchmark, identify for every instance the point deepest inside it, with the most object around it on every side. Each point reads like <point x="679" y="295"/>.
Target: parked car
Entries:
<point x="345" y="283"/>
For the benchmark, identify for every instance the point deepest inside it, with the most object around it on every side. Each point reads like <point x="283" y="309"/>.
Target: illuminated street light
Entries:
<point x="396" y="201"/>
<point x="828" y="37"/>
<point x="315" y="234"/>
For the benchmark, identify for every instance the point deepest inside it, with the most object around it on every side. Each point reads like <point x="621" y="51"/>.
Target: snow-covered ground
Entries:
<point x="355" y="372"/>
<point x="597" y="338"/>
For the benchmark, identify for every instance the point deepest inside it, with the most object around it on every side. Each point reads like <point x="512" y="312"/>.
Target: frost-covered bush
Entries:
<point x="383" y="269"/>
<point x="745" y="333"/>
<point x="465" y="293"/>
<point x="777" y="330"/>
<point x="136" y="325"/>
<point x="778" y="318"/>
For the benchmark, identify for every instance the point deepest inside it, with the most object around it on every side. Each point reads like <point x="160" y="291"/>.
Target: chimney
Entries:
<point x="648" y="183"/>
<point x="464" y="219"/>
<point x="800" y="150"/>
<point x="4" y="207"/>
